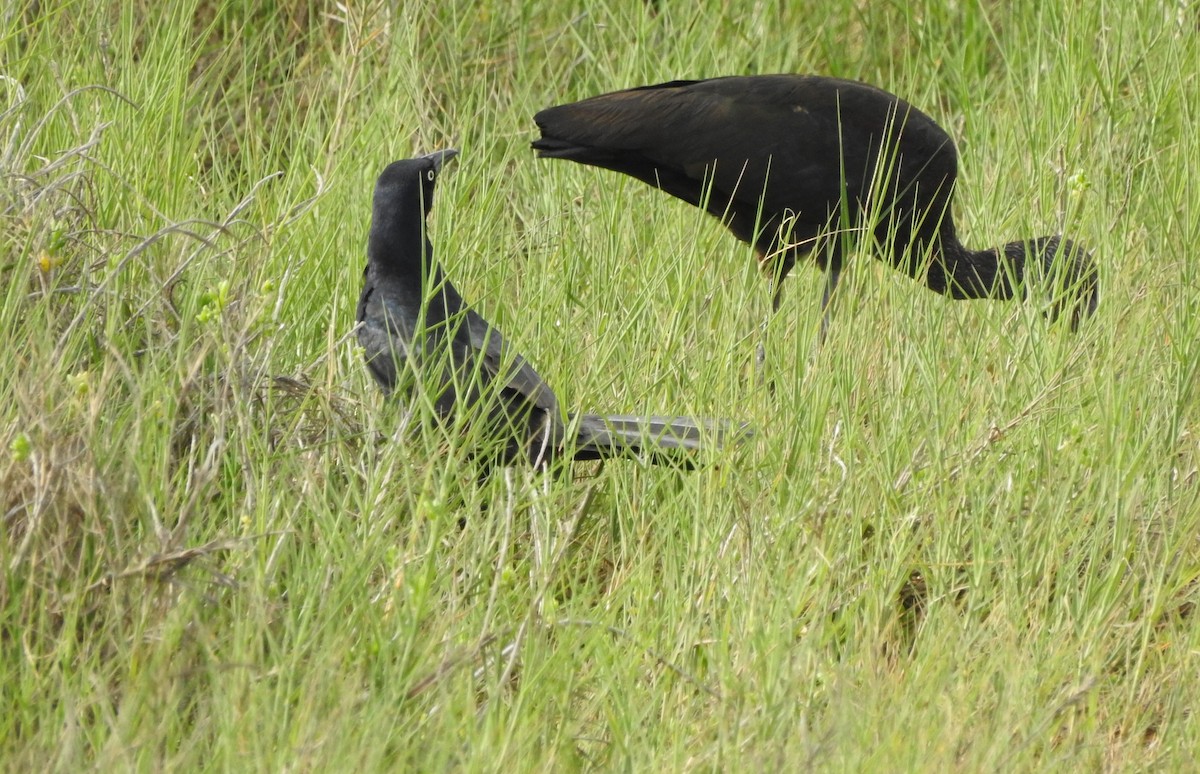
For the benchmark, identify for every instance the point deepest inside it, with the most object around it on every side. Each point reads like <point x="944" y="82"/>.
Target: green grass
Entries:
<point x="963" y="538"/>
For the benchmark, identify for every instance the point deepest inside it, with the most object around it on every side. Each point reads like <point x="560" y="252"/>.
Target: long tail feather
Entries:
<point x="661" y="439"/>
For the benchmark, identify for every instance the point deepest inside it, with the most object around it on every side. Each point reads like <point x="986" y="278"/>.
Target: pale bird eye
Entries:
<point x="429" y="175"/>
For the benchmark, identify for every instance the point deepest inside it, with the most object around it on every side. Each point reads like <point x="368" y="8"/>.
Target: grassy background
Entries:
<point x="963" y="539"/>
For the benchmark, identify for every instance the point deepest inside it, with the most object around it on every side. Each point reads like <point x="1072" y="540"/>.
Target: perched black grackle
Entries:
<point x="422" y="340"/>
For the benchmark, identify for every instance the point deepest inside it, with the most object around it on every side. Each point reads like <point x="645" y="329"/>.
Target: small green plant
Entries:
<point x="20" y="447"/>
<point x="212" y="302"/>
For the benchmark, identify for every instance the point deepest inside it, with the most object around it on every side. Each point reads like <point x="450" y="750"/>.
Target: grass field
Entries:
<point x="963" y="538"/>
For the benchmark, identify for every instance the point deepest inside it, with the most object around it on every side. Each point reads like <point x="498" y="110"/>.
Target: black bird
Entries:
<point x="792" y="164"/>
<point x="422" y="340"/>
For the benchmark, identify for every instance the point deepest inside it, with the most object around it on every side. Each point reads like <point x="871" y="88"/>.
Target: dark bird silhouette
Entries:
<point x="423" y="341"/>
<point x="794" y="164"/>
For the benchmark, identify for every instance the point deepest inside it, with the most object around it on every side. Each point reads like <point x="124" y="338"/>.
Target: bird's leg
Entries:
<point x="776" y="293"/>
<point x="760" y="358"/>
<point x="775" y="283"/>
<point x="831" y="281"/>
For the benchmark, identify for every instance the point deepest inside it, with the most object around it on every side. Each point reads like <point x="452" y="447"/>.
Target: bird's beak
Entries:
<point x="440" y="157"/>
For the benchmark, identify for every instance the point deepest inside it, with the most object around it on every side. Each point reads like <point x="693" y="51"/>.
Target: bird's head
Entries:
<point x="409" y="183"/>
<point x="1072" y="270"/>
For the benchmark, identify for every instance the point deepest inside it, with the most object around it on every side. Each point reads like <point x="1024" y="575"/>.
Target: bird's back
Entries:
<point x="768" y="145"/>
<point x="447" y="351"/>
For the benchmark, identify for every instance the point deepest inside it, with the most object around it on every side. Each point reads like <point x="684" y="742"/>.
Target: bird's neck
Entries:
<point x="965" y="273"/>
<point x="397" y="246"/>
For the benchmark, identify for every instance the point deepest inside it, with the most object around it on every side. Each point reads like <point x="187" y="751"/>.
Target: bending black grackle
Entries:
<point x="792" y="163"/>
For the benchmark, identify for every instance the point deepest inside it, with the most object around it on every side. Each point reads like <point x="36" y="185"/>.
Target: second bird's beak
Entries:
<point x="440" y="157"/>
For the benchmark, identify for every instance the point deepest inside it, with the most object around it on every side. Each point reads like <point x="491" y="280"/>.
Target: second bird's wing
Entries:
<point x="785" y="140"/>
<point x="681" y="135"/>
<point x="507" y="367"/>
